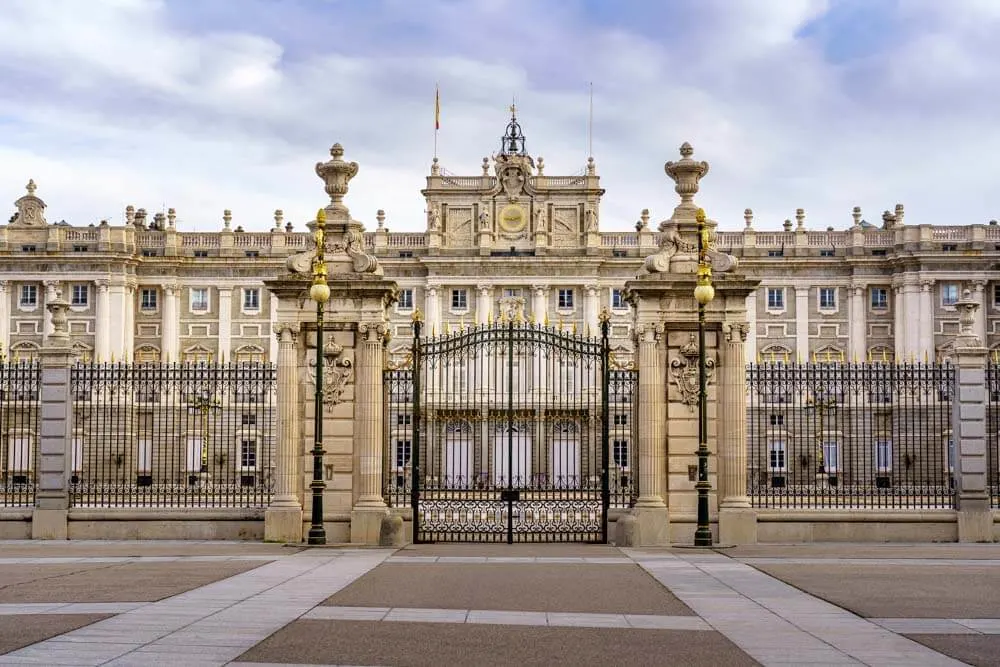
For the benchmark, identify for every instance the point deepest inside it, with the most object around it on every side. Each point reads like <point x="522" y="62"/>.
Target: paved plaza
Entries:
<point x="209" y="603"/>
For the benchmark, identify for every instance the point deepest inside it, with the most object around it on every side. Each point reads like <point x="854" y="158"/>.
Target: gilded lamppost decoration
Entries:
<point x="202" y="404"/>
<point x="704" y="292"/>
<point x="320" y="293"/>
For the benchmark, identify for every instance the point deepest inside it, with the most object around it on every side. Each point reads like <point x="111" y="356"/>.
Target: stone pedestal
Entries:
<point x="737" y="525"/>
<point x="50" y="517"/>
<point x="283" y="524"/>
<point x="366" y="525"/>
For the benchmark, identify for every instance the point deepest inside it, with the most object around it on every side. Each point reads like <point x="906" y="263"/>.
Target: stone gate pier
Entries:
<point x="354" y="335"/>
<point x="666" y="323"/>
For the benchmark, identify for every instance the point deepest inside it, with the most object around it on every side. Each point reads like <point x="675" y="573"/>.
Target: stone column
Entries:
<point x="899" y="323"/>
<point x="651" y="508"/>
<point x="225" y="322"/>
<point x="925" y="337"/>
<point x="737" y="520"/>
<point x="911" y="312"/>
<point x="968" y="428"/>
<point x="5" y="317"/>
<point x="102" y="329"/>
<point x="858" y="326"/>
<point x="51" y="288"/>
<point x="538" y="311"/>
<point x="49" y="519"/>
<point x="283" y="518"/>
<point x="802" y="323"/>
<point x="979" y="295"/>
<point x="591" y="308"/>
<point x="539" y="302"/>
<point x="483" y="303"/>
<point x="432" y="311"/>
<point x="116" y="319"/>
<point x="170" y="345"/>
<point x="369" y="506"/>
<point x="750" y="349"/>
<point x="272" y="352"/>
<point x="129" y="334"/>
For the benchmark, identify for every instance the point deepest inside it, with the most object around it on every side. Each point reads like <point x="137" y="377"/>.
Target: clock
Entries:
<point x="513" y="219"/>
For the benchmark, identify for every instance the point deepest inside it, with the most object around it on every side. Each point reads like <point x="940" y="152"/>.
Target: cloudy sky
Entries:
<point x="210" y="104"/>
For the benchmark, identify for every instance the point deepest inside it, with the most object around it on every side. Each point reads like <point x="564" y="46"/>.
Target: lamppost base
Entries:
<point x="316" y="536"/>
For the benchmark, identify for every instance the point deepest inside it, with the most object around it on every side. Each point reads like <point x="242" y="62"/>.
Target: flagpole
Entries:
<point x="437" y="117"/>
<point x="590" y="124"/>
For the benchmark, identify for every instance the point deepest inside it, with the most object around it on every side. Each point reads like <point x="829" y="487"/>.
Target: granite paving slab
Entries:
<point x="486" y="645"/>
<point x="131" y="548"/>
<point x="24" y="630"/>
<point x="978" y="650"/>
<point x="587" y="588"/>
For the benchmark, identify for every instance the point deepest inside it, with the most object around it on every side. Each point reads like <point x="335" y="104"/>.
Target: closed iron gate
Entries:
<point x="500" y="432"/>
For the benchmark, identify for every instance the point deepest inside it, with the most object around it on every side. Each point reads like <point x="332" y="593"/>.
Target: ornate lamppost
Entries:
<point x="320" y="293"/>
<point x="703" y="294"/>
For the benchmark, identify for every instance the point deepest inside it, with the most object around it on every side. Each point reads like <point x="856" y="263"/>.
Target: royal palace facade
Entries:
<point x="146" y="290"/>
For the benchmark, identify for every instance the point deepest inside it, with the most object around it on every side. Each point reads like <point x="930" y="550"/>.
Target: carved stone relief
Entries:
<point x="684" y="371"/>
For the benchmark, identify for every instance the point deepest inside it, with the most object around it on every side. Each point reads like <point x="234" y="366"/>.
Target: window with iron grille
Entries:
<point x="777" y="420"/>
<point x="402" y="419"/>
<point x="29" y="295"/>
<point x="621" y="420"/>
<point x="199" y="298"/>
<point x="248" y="454"/>
<point x="80" y="295"/>
<point x="147" y="298"/>
<point x="251" y="298"/>
<point x="831" y="456"/>
<point x="402" y="453"/>
<point x="949" y="294"/>
<point x="775" y="298"/>
<point x="565" y="298"/>
<point x="459" y="299"/>
<point x="776" y="455"/>
<point x="879" y="298"/>
<point x="405" y="299"/>
<point x="620" y="453"/>
<point x="827" y="298"/>
<point x="883" y="455"/>
<point x="249" y="419"/>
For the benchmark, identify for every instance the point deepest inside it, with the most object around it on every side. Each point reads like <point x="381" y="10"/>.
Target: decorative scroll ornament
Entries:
<point x="512" y="309"/>
<point x="684" y="372"/>
<point x="337" y="373"/>
<point x="30" y="209"/>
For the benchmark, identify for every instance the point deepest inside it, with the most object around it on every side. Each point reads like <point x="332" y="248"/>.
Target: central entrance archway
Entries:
<point x="501" y="433"/>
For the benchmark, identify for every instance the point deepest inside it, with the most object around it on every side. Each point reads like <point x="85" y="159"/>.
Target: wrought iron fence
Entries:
<point x="396" y="467"/>
<point x="19" y="430"/>
<point x="623" y="436"/>
<point x="993" y="430"/>
<point x="172" y="435"/>
<point x="850" y="435"/>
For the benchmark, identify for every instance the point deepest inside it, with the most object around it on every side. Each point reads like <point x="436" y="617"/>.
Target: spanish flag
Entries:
<point x="437" y="107"/>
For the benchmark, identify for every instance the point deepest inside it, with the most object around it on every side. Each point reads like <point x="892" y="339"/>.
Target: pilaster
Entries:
<point x="4" y="316"/>
<point x="170" y="344"/>
<point x="802" y="323"/>
<point x="102" y="330"/>
<point x="283" y="518"/>
<point x="737" y="520"/>
<point x="369" y="507"/>
<point x="225" y="322"/>
<point x="858" y="324"/>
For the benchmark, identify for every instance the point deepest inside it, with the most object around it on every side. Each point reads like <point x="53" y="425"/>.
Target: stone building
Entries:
<point x="147" y="290"/>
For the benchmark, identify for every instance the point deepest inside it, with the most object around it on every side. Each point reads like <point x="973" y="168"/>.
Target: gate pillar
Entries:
<point x="663" y="300"/>
<point x="353" y="338"/>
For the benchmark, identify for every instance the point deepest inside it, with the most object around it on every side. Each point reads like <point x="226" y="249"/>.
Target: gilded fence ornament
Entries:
<point x="338" y="371"/>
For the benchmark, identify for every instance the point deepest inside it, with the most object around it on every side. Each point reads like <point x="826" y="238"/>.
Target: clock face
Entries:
<point x="513" y="219"/>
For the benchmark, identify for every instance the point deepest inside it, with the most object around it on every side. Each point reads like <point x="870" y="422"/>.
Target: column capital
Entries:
<point x="225" y="290"/>
<point x="979" y="286"/>
<point x="540" y="289"/>
<point x="736" y="332"/>
<point x="432" y="288"/>
<point x="650" y="332"/>
<point x="926" y="284"/>
<point x="484" y="289"/>
<point x="171" y="289"/>
<point x="286" y="331"/>
<point x="591" y="289"/>
<point x="102" y="285"/>
<point x="4" y="285"/>
<point x="131" y="284"/>
<point x="802" y="291"/>
<point x="372" y="331"/>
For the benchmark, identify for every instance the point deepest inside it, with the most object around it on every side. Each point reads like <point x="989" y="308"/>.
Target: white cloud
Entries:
<point x="113" y="103"/>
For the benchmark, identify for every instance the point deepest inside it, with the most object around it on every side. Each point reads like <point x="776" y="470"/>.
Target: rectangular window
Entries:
<point x="621" y="420"/>
<point x="949" y="294"/>
<point x="880" y="298"/>
<point x="192" y="459"/>
<point x="144" y="458"/>
<point x="402" y="453"/>
<point x="775" y="298"/>
<point x="996" y="296"/>
<point x="253" y="253"/>
<point x="618" y="299"/>
<point x="80" y="295"/>
<point x="565" y="298"/>
<point x="147" y="298"/>
<point x="28" y="248"/>
<point x="777" y="420"/>
<point x="950" y="444"/>
<point x="81" y="248"/>
<point x="883" y="455"/>
<point x="619" y="253"/>
<point x="199" y="298"/>
<point x="248" y="419"/>
<point x="248" y="455"/>
<point x="403" y="419"/>
<point x="827" y="298"/>
<point x="512" y="291"/>
<point x="201" y="253"/>
<point x="251" y="298"/>
<point x="831" y="456"/>
<point x="149" y="252"/>
<point x="405" y="254"/>
<point x="29" y="295"/>
<point x="775" y="253"/>
<point x="620" y="453"/>
<point x="406" y="299"/>
<point x="826" y="252"/>
<point x="776" y="455"/>
<point x="459" y="299"/>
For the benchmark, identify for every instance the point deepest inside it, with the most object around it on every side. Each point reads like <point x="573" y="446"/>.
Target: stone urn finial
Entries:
<point x="60" y="322"/>
<point x="967" y="308"/>
<point x="686" y="173"/>
<point x="336" y="174"/>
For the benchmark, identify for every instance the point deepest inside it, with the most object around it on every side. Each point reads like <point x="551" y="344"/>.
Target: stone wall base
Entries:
<point x="975" y="526"/>
<point x="863" y="526"/>
<point x="283" y="524"/>
<point x="50" y="525"/>
<point x="643" y="527"/>
<point x="366" y="525"/>
<point x="737" y="525"/>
